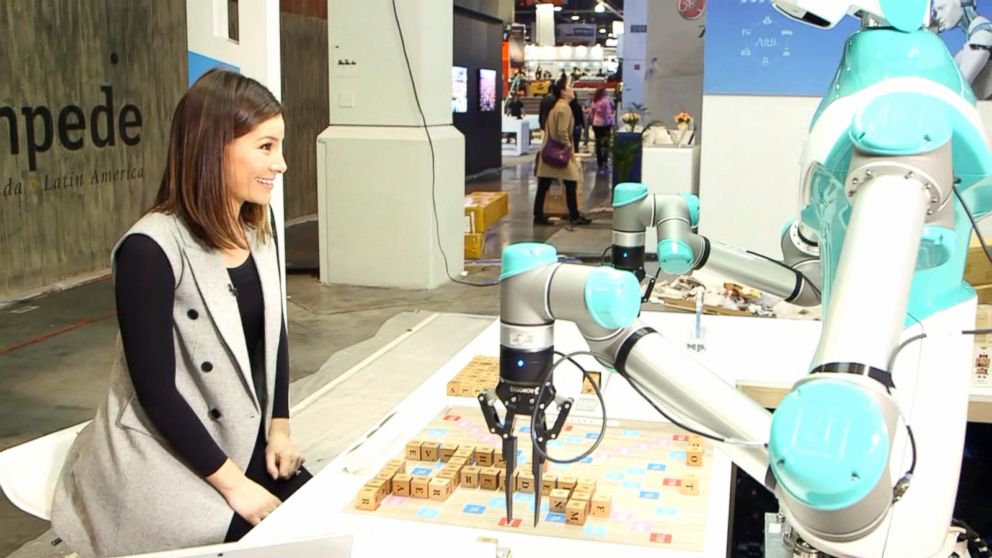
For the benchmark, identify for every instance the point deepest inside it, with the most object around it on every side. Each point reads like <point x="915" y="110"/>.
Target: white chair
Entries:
<point x="29" y="471"/>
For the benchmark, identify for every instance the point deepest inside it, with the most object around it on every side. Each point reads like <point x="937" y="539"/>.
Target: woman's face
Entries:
<point x="568" y="93"/>
<point x="252" y="162"/>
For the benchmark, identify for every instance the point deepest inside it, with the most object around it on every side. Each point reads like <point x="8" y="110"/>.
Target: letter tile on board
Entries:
<point x="575" y="512"/>
<point x="368" y="499"/>
<point x="559" y="499"/>
<point x="470" y="476"/>
<point x="430" y="451"/>
<point x="694" y="458"/>
<point x="602" y="505"/>
<point x="413" y="450"/>
<point x="439" y="489"/>
<point x="401" y="484"/>
<point x="418" y="486"/>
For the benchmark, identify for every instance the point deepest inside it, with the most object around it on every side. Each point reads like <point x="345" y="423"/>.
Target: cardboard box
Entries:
<point x="977" y="267"/>
<point x="473" y="245"/>
<point x="485" y="208"/>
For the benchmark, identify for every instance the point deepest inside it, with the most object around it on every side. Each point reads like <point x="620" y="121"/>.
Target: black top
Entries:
<point x="515" y="107"/>
<point x="144" y="291"/>
<point x="547" y="102"/>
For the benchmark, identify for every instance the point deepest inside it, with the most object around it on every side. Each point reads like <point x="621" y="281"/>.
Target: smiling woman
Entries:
<point x="192" y="444"/>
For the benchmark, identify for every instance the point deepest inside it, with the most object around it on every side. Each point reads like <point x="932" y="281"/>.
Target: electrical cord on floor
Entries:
<point x="430" y="142"/>
<point x="602" y="259"/>
<point x="545" y="381"/>
<point x="977" y="546"/>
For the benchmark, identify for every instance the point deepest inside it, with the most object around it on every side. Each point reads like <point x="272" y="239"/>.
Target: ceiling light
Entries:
<point x="557" y="8"/>
<point x="602" y="30"/>
<point x="575" y="18"/>
<point x="600" y="8"/>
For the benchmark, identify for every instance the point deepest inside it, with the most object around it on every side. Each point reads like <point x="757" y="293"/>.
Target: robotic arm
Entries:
<point x="838" y="452"/>
<point x="681" y="249"/>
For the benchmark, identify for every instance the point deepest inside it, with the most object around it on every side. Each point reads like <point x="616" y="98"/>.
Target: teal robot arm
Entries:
<point x="895" y="147"/>
<point x="681" y="249"/>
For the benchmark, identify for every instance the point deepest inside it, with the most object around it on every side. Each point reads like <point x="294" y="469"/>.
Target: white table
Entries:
<point x="521" y="129"/>
<point x="768" y="353"/>
<point x="318" y="508"/>
<point x="666" y="169"/>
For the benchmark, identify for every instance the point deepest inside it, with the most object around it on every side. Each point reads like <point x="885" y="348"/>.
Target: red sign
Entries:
<point x="691" y="9"/>
<point x="515" y="523"/>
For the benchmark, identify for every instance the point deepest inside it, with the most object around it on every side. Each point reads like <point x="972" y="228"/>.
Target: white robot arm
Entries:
<point x="681" y="249"/>
<point x="889" y="149"/>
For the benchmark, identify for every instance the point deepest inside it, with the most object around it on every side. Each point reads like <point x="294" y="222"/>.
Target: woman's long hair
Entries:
<point x="220" y="107"/>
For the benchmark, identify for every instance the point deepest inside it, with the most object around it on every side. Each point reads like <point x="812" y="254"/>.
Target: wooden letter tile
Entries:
<point x="430" y="451"/>
<point x="489" y="478"/>
<point x="689" y="486"/>
<point x="575" y="512"/>
<point x="567" y="482"/>
<point x="401" y="484"/>
<point x="602" y="505"/>
<point x="525" y="482"/>
<point x="418" y="486"/>
<point x="368" y="499"/>
<point x="413" y="450"/>
<point x="694" y="458"/>
<point x="484" y="457"/>
<point x="439" y="489"/>
<point x="559" y="498"/>
<point x="548" y="484"/>
<point x="448" y="451"/>
<point x="470" y="476"/>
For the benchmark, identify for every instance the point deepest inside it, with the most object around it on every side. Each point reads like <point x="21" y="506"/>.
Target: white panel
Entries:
<point x="749" y="168"/>
<point x="375" y="206"/>
<point x="544" y="24"/>
<point x="369" y="80"/>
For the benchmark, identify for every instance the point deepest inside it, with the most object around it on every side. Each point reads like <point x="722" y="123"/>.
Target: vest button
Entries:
<point x="206" y="367"/>
<point x="193" y="314"/>
<point x="215" y="414"/>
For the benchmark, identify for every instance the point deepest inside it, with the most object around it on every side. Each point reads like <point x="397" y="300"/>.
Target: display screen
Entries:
<point x="487" y="90"/>
<point x="459" y="89"/>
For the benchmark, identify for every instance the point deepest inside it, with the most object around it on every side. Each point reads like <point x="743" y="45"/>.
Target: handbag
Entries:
<point x="555" y="153"/>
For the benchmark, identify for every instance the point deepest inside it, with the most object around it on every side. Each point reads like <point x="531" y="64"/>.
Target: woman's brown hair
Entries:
<point x="220" y="107"/>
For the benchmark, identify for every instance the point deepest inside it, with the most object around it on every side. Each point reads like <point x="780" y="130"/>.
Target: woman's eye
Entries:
<point x="267" y="147"/>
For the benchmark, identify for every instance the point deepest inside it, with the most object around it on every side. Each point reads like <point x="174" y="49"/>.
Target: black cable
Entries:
<point x="804" y="277"/>
<point x="430" y="142"/>
<point x="977" y="546"/>
<point x="540" y="393"/>
<point x="602" y="259"/>
<point x="974" y="223"/>
<point x="633" y="383"/>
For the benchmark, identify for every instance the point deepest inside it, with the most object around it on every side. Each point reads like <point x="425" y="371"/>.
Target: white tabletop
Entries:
<point x="738" y="347"/>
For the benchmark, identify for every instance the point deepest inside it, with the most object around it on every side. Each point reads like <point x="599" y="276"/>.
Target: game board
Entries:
<point x="646" y="484"/>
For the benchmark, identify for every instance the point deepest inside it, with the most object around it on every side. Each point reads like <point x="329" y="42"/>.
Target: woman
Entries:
<point x="192" y="444"/>
<point x="559" y="126"/>
<point x="602" y="125"/>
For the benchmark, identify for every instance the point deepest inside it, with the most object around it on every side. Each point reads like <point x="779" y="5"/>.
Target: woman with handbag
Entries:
<point x="556" y="159"/>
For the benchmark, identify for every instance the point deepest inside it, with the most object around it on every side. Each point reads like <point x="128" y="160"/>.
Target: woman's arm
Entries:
<point x="145" y="295"/>
<point x="144" y="290"/>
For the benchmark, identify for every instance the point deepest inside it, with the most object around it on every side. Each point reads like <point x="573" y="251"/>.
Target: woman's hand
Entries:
<point x="282" y="458"/>
<point x="251" y="501"/>
<point x="246" y="497"/>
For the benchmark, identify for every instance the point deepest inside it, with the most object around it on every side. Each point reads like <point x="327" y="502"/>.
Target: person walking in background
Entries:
<point x="191" y="446"/>
<point x="603" y="122"/>
<point x="579" y="117"/>
<point x="559" y="127"/>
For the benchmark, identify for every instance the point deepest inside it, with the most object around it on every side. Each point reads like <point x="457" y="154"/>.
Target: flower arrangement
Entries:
<point x="633" y="116"/>
<point x="683" y="120"/>
<point x="631" y="119"/>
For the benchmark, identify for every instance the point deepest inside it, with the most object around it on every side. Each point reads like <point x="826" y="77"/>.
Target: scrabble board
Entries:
<point x="647" y="483"/>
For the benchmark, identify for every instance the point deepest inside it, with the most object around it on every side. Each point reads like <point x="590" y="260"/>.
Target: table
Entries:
<point x="521" y="129"/>
<point x="754" y="353"/>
